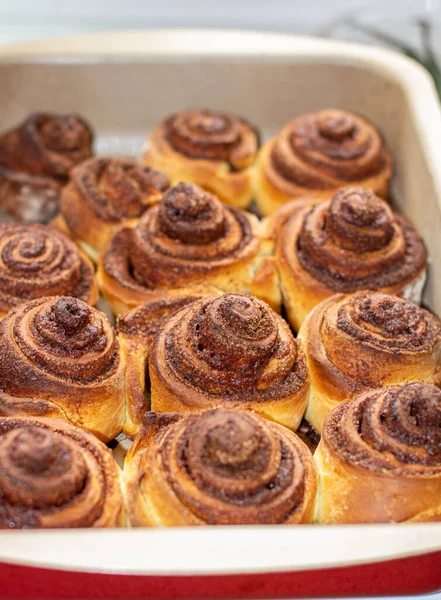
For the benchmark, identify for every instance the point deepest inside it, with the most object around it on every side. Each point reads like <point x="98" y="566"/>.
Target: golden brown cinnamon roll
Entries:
<point x="380" y="458"/>
<point x="137" y="329"/>
<point x="105" y="193"/>
<point x="364" y="341"/>
<point x="231" y="350"/>
<point x="35" y="160"/>
<point x="63" y="351"/>
<point x="318" y="153"/>
<point x="37" y="261"/>
<point x="350" y="242"/>
<point x="189" y="239"/>
<point x="218" y="467"/>
<point x="53" y="474"/>
<point x="213" y="149"/>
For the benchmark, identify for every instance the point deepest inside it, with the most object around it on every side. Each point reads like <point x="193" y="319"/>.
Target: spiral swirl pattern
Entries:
<point x="47" y="144"/>
<point x="396" y="429"/>
<point x="55" y="475"/>
<point x="66" y="338"/>
<point x="61" y="350"/>
<point x="211" y="135"/>
<point x="189" y="234"/>
<point x="37" y="261"/>
<point x="364" y="341"/>
<point x="375" y="338"/>
<point x="232" y="347"/>
<point x="117" y="189"/>
<point x="355" y="241"/>
<point x="67" y="136"/>
<point x="328" y="149"/>
<point x="232" y="467"/>
<point x="388" y="321"/>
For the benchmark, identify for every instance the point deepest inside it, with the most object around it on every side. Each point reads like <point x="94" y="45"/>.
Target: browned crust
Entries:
<point x="121" y="290"/>
<point x="104" y="193"/>
<point x="36" y="261"/>
<point x="46" y="144"/>
<point x="375" y="465"/>
<point x="161" y="492"/>
<point x="97" y="502"/>
<point x="29" y="407"/>
<point x="274" y="394"/>
<point x="302" y="290"/>
<point x="137" y="329"/>
<point x="87" y="388"/>
<point x="177" y="263"/>
<point x="233" y="186"/>
<point x="35" y="160"/>
<point x="250" y="269"/>
<point x="342" y="366"/>
<point x="304" y="178"/>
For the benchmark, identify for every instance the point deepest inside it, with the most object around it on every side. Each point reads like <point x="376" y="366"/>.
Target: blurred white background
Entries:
<point x="24" y="19"/>
<point x="31" y="19"/>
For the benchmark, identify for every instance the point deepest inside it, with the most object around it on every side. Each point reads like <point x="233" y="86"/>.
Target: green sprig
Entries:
<point x="427" y="58"/>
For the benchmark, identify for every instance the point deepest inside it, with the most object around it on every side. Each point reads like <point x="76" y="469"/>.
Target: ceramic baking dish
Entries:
<point x="123" y="84"/>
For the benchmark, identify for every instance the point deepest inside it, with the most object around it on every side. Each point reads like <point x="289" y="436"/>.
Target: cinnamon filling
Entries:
<point x="390" y="321"/>
<point x="63" y="134"/>
<point x="187" y="236"/>
<point x="254" y="471"/>
<point x="395" y="429"/>
<point x="210" y="135"/>
<point x="118" y="189"/>
<point x="234" y="346"/>
<point x="360" y="221"/>
<point x="191" y="216"/>
<point x="37" y="261"/>
<point x="45" y="471"/>
<point x="355" y="241"/>
<point x="47" y="144"/>
<point x="67" y="338"/>
<point x="326" y="149"/>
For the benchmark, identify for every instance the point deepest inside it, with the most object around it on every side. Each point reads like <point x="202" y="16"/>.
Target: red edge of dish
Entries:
<point x="409" y="575"/>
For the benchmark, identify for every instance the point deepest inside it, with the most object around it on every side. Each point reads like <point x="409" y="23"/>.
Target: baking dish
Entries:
<point x="123" y="84"/>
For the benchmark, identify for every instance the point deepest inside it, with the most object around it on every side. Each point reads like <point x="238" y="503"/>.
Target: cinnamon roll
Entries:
<point x="35" y="160"/>
<point x="189" y="239"/>
<point x="350" y="242"/>
<point x="105" y="193"/>
<point x="55" y="475"/>
<point x="137" y="329"/>
<point x="318" y="153"/>
<point x="363" y="341"/>
<point x="380" y="458"/>
<point x="37" y="261"/>
<point x="65" y="352"/>
<point x="231" y="350"/>
<point x="213" y="149"/>
<point x="218" y="467"/>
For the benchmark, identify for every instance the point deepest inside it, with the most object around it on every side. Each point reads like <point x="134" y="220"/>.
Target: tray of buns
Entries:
<point x="220" y="343"/>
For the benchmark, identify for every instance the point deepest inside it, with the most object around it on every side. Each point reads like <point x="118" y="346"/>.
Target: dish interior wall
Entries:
<point x="123" y="99"/>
